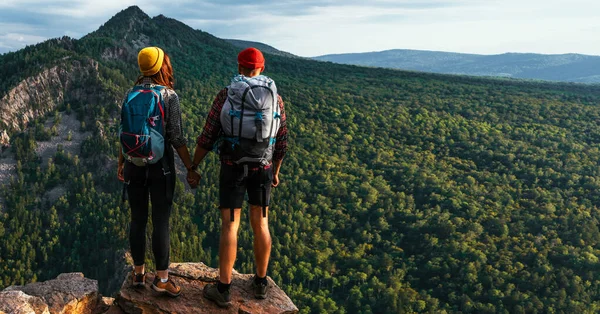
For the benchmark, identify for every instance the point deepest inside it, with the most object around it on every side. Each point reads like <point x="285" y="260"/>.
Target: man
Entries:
<point x="249" y="117"/>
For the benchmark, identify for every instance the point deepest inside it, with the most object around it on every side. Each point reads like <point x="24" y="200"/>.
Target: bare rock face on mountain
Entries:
<point x="69" y="293"/>
<point x="192" y="277"/>
<point x="40" y="94"/>
<point x="4" y="139"/>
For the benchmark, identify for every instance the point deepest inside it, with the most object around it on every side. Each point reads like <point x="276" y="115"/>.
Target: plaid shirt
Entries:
<point x="212" y="129"/>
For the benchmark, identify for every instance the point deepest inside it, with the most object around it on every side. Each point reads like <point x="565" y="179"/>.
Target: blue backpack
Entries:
<point x="142" y="125"/>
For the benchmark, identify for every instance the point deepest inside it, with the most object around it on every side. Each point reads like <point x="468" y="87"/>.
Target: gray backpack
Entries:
<point x="250" y="119"/>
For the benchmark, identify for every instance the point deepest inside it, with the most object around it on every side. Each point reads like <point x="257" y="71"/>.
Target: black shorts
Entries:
<point x="233" y="185"/>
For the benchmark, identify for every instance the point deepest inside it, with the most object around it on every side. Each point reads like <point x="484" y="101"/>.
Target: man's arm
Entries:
<point x="280" y="143"/>
<point x="212" y="128"/>
<point x="199" y="154"/>
<point x="210" y="134"/>
<point x="276" y="168"/>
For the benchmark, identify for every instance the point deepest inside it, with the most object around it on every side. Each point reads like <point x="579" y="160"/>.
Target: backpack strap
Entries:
<point x="242" y="113"/>
<point x="164" y="95"/>
<point x="258" y="117"/>
<point x="276" y="117"/>
<point x="161" y="105"/>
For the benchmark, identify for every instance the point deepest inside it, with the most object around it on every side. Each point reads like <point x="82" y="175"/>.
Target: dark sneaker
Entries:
<point x="211" y="292"/>
<point x="260" y="289"/>
<point x="169" y="288"/>
<point x="138" y="279"/>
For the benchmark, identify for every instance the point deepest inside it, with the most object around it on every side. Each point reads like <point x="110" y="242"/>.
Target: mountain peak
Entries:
<point x="134" y="9"/>
<point x="130" y="20"/>
<point x="131" y="13"/>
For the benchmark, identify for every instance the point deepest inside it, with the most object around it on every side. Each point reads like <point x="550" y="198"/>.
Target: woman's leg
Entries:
<point x="138" y="201"/>
<point x="161" y="212"/>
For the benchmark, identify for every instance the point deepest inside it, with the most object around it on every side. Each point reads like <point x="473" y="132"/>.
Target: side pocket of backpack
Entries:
<point x="157" y="145"/>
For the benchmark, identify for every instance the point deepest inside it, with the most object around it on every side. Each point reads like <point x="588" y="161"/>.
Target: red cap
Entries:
<point x="251" y="58"/>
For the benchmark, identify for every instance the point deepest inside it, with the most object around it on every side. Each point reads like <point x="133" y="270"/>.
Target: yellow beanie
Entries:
<point x="150" y="60"/>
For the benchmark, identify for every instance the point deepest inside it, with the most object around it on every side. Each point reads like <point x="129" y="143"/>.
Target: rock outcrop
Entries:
<point x="69" y="294"/>
<point x="17" y="302"/>
<point x="192" y="277"/>
<point x="73" y="294"/>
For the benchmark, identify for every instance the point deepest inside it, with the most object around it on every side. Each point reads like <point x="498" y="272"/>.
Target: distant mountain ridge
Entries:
<point x="262" y="47"/>
<point x="565" y="67"/>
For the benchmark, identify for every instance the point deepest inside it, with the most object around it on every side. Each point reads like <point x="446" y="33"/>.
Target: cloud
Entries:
<point x="40" y="20"/>
<point x="14" y="41"/>
<point x="314" y="27"/>
<point x="235" y="10"/>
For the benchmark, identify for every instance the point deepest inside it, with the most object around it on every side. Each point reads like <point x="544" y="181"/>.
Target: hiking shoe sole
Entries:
<point x="260" y="296"/>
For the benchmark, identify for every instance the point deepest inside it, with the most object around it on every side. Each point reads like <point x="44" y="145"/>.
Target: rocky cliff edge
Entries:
<point x="72" y="293"/>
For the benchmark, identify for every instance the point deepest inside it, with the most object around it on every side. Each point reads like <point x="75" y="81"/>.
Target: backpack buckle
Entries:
<point x="153" y="120"/>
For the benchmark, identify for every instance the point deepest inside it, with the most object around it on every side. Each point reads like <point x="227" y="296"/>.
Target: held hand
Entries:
<point x="120" y="172"/>
<point x="275" y="180"/>
<point x="193" y="179"/>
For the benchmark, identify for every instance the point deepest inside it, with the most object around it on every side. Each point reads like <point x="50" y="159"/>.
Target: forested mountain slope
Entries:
<point x="401" y="192"/>
<point x="565" y="67"/>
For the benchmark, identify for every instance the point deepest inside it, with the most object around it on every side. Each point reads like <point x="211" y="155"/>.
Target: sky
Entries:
<point x="310" y="28"/>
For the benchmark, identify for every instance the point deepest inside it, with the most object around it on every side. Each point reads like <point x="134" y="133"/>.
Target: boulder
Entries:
<point x="69" y="293"/>
<point x="17" y="302"/>
<point x="192" y="277"/>
<point x="108" y="306"/>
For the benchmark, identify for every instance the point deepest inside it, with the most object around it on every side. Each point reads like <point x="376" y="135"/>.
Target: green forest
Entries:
<point x="402" y="192"/>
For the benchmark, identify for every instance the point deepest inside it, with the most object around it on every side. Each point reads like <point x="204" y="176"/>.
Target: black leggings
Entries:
<point x="143" y="184"/>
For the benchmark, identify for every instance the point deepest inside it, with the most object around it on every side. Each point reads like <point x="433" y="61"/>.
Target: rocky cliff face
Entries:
<point x="4" y="139"/>
<point x="68" y="293"/>
<point x="72" y="293"/>
<point x="40" y="94"/>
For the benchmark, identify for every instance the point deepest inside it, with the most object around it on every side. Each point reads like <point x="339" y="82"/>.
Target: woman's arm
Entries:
<point x="174" y="129"/>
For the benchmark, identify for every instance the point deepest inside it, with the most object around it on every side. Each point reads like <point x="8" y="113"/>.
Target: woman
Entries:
<point x="152" y="178"/>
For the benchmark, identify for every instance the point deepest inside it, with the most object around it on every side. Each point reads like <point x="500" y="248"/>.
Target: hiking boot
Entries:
<point x="138" y="280"/>
<point x="260" y="288"/>
<point x="169" y="288"/>
<point x="212" y="293"/>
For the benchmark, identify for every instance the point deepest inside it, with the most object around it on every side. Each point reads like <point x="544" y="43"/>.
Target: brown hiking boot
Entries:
<point x="138" y="280"/>
<point x="169" y="288"/>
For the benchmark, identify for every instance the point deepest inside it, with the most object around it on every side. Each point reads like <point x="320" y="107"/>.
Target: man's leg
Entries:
<point x="262" y="239"/>
<point x="228" y="243"/>
<point x="231" y="195"/>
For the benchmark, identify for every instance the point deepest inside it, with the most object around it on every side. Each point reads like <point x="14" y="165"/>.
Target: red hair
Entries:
<point x="163" y="77"/>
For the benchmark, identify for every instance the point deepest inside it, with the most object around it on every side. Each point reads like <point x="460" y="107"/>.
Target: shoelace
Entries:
<point x="173" y="283"/>
<point x="262" y="283"/>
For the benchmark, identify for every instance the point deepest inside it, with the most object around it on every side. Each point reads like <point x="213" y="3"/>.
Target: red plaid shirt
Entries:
<point x="212" y="128"/>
